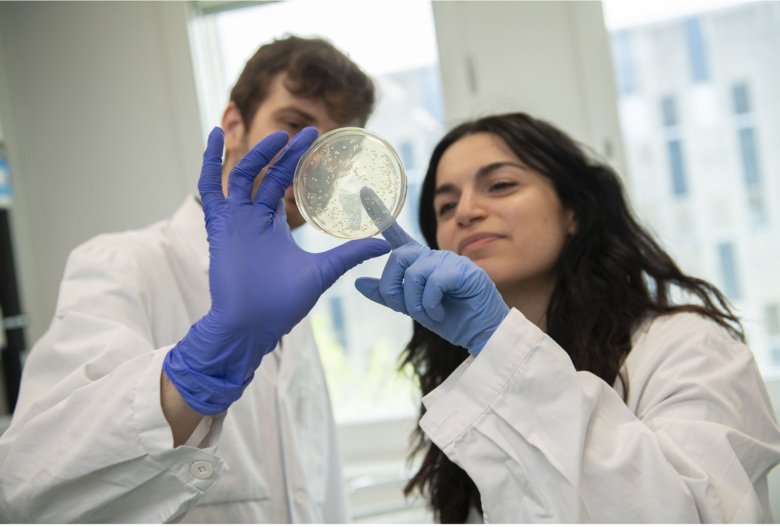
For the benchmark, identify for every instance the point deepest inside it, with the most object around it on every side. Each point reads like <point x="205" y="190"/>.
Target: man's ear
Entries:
<point x="233" y="126"/>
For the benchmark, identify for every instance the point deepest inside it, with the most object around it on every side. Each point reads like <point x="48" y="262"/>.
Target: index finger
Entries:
<point x="244" y="173"/>
<point x="380" y="215"/>
<point x="280" y="175"/>
<point x="210" y="182"/>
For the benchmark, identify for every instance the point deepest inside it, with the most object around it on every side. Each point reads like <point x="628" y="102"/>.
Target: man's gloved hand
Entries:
<point x="447" y="293"/>
<point x="262" y="284"/>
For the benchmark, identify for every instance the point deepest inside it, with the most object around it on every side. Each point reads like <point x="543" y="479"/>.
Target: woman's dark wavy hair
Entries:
<point x="611" y="274"/>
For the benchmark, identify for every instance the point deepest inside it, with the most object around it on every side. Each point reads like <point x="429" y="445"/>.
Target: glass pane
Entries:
<point x="679" y="184"/>
<point x="741" y="98"/>
<point x="696" y="50"/>
<point x="395" y="43"/>
<point x="669" y="111"/>
<point x="747" y="148"/>
<point x="702" y="114"/>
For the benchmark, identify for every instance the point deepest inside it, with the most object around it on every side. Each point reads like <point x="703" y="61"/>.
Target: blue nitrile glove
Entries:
<point x="447" y="293"/>
<point x="262" y="284"/>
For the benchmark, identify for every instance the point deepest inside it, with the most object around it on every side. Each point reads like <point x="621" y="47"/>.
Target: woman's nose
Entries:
<point x="470" y="208"/>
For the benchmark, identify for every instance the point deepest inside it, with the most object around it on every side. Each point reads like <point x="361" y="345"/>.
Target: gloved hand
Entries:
<point x="262" y="284"/>
<point x="447" y="293"/>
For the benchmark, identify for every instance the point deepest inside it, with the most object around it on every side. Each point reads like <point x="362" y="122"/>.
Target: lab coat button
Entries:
<point x="300" y="497"/>
<point x="202" y="469"/>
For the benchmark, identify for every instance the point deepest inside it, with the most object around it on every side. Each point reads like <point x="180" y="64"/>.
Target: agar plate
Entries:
<point x="331" y="175"/>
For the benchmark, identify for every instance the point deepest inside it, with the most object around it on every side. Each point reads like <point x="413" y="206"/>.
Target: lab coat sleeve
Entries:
<point x="545" y="443"/>
<point x="89" y="442"/>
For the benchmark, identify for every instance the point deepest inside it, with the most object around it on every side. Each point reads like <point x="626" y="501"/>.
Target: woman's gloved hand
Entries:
<point x="262" y="284"/>
<point x="447" y="293"/>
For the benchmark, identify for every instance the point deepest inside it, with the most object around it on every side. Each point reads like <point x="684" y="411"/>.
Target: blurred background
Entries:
<point x="105" y="106"/>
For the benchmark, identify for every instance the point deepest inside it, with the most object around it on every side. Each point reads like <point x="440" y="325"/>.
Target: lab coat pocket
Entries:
<point x="308" y="417"/>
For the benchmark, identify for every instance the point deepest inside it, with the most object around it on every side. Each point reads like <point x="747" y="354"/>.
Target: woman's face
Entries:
<point x="504" y="216"/>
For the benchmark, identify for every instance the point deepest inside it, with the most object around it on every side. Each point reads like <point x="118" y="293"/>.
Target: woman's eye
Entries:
<point x="445" y="208"/>
<point x="498" y="186"/>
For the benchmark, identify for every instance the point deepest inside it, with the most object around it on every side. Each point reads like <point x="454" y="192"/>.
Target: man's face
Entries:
<point x="281" y="110"/>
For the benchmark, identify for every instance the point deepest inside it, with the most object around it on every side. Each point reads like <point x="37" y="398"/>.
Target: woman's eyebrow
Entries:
<point x="447" y="188"/>
<point x="492" y="167"/>
<point x="482" y="173"/>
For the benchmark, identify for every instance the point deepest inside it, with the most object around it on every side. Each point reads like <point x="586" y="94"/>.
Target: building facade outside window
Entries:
<point x="713" y="68"/>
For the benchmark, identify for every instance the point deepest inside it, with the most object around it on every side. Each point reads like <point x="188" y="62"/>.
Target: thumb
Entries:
<point x="369" y="288"/>
<point x="341" y="259"/>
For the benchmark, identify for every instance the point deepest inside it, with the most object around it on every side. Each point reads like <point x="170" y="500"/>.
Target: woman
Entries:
<point x="571" y="371"/>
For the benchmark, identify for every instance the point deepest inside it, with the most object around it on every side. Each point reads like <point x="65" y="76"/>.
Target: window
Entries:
<point x="747" y="149"/>
<point x="697" y="52"/>
<point x="674" y="149"/>
<point x="714" y="76"/>
<point x="728" y="270"/>
<point x="336" y="310"/>
<point x="740" y="99"/>
<point x="669" y="111"/>
<point x="748" y="153"/>
<point x="360" y="342"/>
<point x="676" y="167"/>
<point x="626" y="73"/>
<point x="757" y="213"/>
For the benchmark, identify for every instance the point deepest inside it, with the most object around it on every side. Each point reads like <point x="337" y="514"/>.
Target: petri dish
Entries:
<point x="337" y="168"/>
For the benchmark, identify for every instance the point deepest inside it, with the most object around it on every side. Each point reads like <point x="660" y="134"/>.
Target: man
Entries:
<point x="123" y="411"/>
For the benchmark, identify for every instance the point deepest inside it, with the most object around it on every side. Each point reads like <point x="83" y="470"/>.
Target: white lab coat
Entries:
<point x="545" y="443"/>
<point x="89" y="443"/>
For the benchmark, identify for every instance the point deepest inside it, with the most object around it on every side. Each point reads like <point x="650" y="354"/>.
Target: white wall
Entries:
<point x="550" y="59"/>
<point x="99" y="112"/>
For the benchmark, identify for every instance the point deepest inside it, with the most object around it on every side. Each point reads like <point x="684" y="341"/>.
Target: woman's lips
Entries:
<point x="475" y="241"/>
